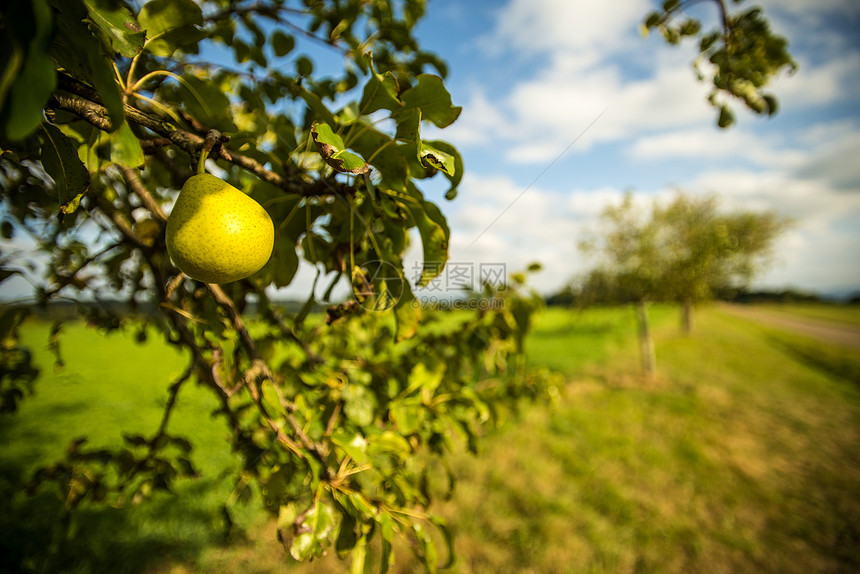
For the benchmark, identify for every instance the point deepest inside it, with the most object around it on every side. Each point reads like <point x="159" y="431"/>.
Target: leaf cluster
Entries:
<point x="739" y="58"/>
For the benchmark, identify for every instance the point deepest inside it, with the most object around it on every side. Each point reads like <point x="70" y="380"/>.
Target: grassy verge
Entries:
<point x="739" y="458"/>
<point x="837" y="313"/>
<point x="742" y="456"/>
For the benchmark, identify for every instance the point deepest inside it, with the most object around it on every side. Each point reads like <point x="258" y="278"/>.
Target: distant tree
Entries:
<point x="630" y="268"/>
<point x="685" y="252"/>
<point x="708" y="252"/>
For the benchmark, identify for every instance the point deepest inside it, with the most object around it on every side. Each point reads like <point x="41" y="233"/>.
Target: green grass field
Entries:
<point x="827" y="312"/>
<point x="743" y="455"/>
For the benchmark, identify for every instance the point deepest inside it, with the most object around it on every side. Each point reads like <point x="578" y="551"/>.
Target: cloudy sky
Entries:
<point x="566" y="106"/>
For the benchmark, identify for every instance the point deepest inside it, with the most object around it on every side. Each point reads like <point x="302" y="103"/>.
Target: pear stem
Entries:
<point x="201" y="163"/>
<point x="213" y="138"/>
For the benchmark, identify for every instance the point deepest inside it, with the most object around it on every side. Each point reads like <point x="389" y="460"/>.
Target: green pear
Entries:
<point x="216" y="233"/>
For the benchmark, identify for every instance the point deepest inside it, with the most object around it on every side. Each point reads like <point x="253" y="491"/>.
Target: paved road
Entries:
<point x="845" y="335"/>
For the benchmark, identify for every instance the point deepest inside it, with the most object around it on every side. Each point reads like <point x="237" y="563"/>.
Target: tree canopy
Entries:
<point x="686" y="250"/>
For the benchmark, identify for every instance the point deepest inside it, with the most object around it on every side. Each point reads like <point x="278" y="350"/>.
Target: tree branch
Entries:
<point x="137" y="187"/>
<point x="189" y="142"/>
<point x="260" y="369"/>
<point x="274" y="13"/>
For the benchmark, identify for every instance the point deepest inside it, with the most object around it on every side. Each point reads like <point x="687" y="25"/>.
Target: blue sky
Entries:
<point x="531" y="75"/>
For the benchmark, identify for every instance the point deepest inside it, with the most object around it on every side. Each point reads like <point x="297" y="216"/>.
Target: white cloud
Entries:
<point x="739" y="143"/>
<point x="819" y="84"/>
<point x="584" y="30"/>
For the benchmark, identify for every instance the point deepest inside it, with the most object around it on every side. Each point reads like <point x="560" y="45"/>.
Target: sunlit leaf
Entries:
<point x="431" y="96"/>
<point x="125" y="147"/>
<point x="359" y="404"/>
<point x="332" y="150"/>
<point x="170" y="24"/>
<point x="316" y="531"/>
<point x="428" y="548"/>
<point x="430" y="156"/>
<point x="456" y="173"/>
<point x="352" y="443"/>
<point x="118" y="25"/>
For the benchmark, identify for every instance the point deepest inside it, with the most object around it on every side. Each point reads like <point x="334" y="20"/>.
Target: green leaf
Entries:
<point x="456" y="174"/>
<point x="361" y="504"/>
<point x="347" y="537"/>
<point x="125" y="147"/>
<point x="727" y="118"/>
<point x="304" y="66"/>
<point x="449" y="540"/>
<point x="388" y="159"/>
<point x="430" y="95"/>
<point x="408" y="415"/>
<point x="205" y="102"/>
<point x="119" y="26"/>
<point x="359" y="404"/>
<point x="314" y="102"/>
<point x="409" y="126"/>
<point x="332" y="150"/>
<point x="386" y="523"/>
<point x="430" y="156"/>
<point x="60" y="160"/>
<point x="82" y="55"/>
<point x="434" y="241"/>
<point x="428" y="548"/>
<point x="358" y="558"/>
<point x="352" y="443"/>
<point x="28" y="77"/>
<point x="381" y="92"/>
<point x="424" y="379"/>
<point x="407" y="312"/>
<point x="282" y="43"/>
<point x="316" y="530"/>
<point x="170" y="24"/>
<point x="388" y="442"/>
<point x="284" y="263"/>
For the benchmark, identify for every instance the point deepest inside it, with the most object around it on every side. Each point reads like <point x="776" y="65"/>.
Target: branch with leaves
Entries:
<point x="739" y="58"/>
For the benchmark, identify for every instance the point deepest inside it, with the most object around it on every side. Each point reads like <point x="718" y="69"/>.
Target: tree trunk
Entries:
<point x="646" y="345"/>
<point x="687" y="317"/>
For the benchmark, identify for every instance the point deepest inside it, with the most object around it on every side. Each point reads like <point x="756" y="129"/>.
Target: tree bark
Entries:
<point x="687" y="317"/>
<point x="646" y="345"/>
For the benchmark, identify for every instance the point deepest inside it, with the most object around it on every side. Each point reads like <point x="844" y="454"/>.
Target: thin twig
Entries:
<point x="137" y="187"/>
